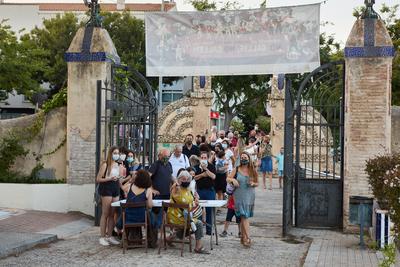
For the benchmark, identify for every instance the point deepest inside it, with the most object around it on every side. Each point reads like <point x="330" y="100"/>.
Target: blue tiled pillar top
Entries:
<point x="374" y="42"/>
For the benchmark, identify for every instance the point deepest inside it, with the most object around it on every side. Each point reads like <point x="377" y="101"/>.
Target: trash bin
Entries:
<point x="361" y="214"/>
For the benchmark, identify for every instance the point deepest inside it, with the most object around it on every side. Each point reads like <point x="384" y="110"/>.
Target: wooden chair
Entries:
<point x="172" y="226"/>
<point x="138" y="242"/>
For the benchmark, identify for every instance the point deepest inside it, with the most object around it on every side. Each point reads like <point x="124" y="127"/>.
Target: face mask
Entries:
<point x="212" y="143"/>
<point x="204" y="162"/>
<point x="244" y="162"/>
<point x="115" y="157"/>
<point x="129" y="159"/>
<point x="185" y="184"/>
<point x="224" y="146"/>
<point x="165" y="160"/>
<point x="122" y="157"/>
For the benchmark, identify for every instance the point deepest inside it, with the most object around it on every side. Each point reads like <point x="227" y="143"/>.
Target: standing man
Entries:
<point x="205" y="176"/>
<point x="178" y="160"/>
<point x="161" y="177"/>
<point x="221" y="136"/>
<point x="189" y="149"/>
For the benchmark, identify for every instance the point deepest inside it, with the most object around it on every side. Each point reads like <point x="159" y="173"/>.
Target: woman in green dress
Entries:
<point x="245" y="179"/>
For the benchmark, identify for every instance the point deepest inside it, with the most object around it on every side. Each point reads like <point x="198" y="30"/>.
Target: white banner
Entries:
<point x="239" y="42"/>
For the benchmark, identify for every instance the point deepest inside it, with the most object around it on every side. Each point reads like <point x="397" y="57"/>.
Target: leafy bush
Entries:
<point x="264" y="123"/>
<point x="10" y="149"/>
<point x="384" y="178"/>
<point x="58" y="100"/>
<point x="237" y="125"/>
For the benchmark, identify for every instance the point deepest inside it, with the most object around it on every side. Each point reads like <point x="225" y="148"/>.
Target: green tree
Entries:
<point x="20" y="64"/>
<point x="203" y="5"/>
<point x="128" y="35"/>
<point x="54" y="37"/>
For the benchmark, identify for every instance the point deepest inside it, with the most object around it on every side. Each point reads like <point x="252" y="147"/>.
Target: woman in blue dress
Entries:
<point x="245" y="179"/>
<point x="139" y="191"/>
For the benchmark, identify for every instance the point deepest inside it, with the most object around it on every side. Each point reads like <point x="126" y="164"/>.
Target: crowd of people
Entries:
<point x="214" y="167"/>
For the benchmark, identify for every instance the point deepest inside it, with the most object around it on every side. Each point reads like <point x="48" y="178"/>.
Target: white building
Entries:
<point x="24" y="16"/>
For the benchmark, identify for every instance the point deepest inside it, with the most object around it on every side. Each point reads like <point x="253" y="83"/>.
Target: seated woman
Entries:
<point x="181" y="194"/>
<point x="139" y="191"/>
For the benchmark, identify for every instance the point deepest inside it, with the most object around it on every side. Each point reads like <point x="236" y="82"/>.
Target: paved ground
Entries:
<point x="268" y="249"/>
<point x="308" y="248"/>
<point x="21" y="230"/>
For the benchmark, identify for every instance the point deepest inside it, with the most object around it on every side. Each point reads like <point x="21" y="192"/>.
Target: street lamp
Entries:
<point x="369" y="12"/>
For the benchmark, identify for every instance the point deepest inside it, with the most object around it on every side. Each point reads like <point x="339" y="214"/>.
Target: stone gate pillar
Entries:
<point x="277" y="102"/>
<point x="368" y="55"/>
<point x="89" y="58"/>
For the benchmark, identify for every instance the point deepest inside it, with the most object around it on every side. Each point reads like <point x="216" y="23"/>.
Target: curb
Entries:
<point x="27" y="244"/>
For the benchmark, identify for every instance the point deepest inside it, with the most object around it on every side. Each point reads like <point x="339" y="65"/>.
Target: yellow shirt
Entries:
<point x="182" y="196"/>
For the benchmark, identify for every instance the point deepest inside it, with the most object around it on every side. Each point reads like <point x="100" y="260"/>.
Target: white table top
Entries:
<point x="202" y="203"/>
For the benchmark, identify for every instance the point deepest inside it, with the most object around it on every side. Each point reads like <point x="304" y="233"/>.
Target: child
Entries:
<point x="279" y="161"/>
<point x="229" y="216"/>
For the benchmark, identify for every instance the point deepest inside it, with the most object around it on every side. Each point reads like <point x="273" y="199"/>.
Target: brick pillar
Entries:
<point x="368" y="55"/>
<point x="277" y="102"/>
<point x="89" y="58"/>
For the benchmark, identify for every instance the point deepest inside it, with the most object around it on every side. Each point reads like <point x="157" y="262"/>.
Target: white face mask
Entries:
<point x="224" y="146"/>
<point x="115" y="157"/>
<point x="204" y="162"/>
<point x="122" y="157"/>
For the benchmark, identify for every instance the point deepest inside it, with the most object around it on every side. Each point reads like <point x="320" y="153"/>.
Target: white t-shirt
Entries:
<point x="178" y="163"/>
<point x="253" y="153"/>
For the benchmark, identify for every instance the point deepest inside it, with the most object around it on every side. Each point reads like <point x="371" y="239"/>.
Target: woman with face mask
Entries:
<point x="181" y="194"/>
<point x="132" y="166"/>
<point x="245" y="179"/>
<point x="109" y="185"/>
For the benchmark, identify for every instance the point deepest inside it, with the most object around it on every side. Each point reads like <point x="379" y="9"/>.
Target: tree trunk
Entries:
<point x="228" y="118"/>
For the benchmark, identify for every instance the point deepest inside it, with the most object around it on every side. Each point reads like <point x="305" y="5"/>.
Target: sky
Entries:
<point x="338" y="13"/>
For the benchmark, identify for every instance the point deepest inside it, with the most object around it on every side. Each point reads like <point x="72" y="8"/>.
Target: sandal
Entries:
<point x="201" y="251"/>
<point x="247" y="243"/>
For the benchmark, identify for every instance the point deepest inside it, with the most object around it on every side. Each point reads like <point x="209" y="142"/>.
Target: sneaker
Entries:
<point x="112" y="240"/>
<point x="103" y="241"/>
<point x="223" y="234"/>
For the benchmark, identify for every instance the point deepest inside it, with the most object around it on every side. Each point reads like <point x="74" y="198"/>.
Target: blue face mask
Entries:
<point x="224" y="146"/>
<point x="115" y="157"/>
<point x="129" y="159"/>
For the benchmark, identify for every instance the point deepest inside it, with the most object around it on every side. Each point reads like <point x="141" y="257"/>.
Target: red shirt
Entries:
<point x="231" y="203"/>
<point x="234" y="141"/>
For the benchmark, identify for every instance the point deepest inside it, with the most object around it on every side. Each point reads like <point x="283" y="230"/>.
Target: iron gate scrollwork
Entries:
<point x="317" y="148"/>
<point x="126" y="116"/>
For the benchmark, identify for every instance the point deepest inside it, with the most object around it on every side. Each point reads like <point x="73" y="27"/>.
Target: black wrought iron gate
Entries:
<point x="314" y="139"/>
<point x="126" y="117"/>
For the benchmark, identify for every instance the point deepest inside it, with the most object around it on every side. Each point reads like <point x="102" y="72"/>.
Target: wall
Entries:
<point x="48" y="197"/>
<point x="51" y="136"/>
<point x="395" y="129"/>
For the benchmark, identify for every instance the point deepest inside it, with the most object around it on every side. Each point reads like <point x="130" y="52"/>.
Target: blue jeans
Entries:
<point x="207" y="194"/>
<point x="156" y="213"/>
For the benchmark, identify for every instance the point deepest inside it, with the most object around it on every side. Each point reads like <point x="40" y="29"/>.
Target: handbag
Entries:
<point x="230" y="188"/>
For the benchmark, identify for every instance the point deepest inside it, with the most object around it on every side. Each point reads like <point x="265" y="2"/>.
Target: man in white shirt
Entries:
<point x="178" y="160"/>
<point x="221" y="136"/>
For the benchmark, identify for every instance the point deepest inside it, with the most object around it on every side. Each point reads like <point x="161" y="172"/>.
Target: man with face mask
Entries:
<point x="190" y="149"/>
<point x="161" y="177"/>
